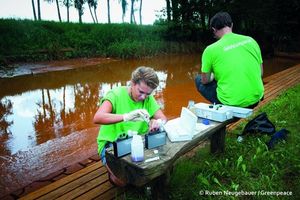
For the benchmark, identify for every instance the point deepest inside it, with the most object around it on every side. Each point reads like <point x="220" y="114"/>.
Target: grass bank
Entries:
<point x="246" y="166"/>
<point x="26" y="40"/>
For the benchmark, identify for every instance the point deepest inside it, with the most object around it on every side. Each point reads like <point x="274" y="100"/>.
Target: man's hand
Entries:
<point x="207" y="77"/>
<point x="137" y="115"/>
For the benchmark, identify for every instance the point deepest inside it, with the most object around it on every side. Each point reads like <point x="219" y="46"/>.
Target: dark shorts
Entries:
<point x="209" y="92"/>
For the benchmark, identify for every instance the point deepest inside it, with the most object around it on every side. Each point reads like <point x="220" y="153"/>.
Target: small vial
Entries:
<point x="191" y="104"/>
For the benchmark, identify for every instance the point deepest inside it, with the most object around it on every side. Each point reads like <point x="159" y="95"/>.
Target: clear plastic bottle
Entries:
<point x="137" y="148"/>
<point x="191" y="106"/>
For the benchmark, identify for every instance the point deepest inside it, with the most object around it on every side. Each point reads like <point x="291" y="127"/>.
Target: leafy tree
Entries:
<point x="168" y="6"/>
<point x="124" y="8"/>
<point x="95" y="5"/>
<point x="79" y="6"/>
<point x="175" y="10"/>
<point x="91" y="4"/>
<point x="132" y="18"/>
<point x="68" y="4"/>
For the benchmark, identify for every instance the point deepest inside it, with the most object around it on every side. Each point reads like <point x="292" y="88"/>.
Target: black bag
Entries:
<point x="260" y="124"/>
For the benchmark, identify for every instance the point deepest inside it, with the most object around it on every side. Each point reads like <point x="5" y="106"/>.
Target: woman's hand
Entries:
<point x="156" y="124"/>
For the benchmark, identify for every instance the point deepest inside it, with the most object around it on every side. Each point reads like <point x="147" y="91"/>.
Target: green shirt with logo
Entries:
<point x="121" y="104"/>
<point x="235" y="61"/>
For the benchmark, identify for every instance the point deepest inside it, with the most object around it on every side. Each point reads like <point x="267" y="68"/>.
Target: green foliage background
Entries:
<point x="25" y="40"/>
<point x="273" y="23"/>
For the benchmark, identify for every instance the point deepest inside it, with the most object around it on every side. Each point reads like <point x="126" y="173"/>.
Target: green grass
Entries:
<point x="246" y="166"/>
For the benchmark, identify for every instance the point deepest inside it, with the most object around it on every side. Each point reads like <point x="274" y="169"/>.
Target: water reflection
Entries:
<point x="5" y="132"/>
<point x="40" y="115"/>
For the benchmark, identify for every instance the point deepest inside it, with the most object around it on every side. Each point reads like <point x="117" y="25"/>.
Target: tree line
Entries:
<point x="275" y="23"/>
<point x="92" y="5"/>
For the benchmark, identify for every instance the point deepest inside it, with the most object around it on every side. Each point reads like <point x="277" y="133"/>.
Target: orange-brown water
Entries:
<point x="46" y="117"/>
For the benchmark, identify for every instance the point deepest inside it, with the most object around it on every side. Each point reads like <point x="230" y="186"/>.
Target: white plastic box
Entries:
<point x="221" y="113"/>
<point x="217" y="112"/>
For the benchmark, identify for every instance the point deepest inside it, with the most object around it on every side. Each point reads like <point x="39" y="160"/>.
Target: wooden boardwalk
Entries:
<point x="279" y="82"/>
<point x="88" y="183"/>
<point x="92" y="182"/>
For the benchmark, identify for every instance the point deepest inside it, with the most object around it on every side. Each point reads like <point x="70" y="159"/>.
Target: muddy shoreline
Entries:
<point x="21" y="69"/>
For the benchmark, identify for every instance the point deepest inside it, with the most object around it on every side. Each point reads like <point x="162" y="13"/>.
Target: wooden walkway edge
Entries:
<point x="92" y="182"/>
<point x="88" y="183"/>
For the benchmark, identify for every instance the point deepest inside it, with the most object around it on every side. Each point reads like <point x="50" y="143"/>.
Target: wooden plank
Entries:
<point x="278" y="87"/>
<point x="284" y="73"/>
<point x="85" y="187"/>
<point x="97" y="191"/>
<point x="281" y="81"/>
<point x="291" y="71"/>
<point x="38" y="193"/>
<point x="104" y="191"/>
<point x="113" y="193"/>
<point x="73" y="185"/>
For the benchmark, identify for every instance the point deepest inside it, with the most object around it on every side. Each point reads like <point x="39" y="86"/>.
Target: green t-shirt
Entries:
<point x="121" y="104"/>
<point x="235" y="61"/>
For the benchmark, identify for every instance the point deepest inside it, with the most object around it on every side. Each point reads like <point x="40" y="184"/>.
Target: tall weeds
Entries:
<point x="29" y="40"/>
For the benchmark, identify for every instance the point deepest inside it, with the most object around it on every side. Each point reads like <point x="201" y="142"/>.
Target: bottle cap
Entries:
<point x="205" y="121"/>
<point x="129" y="133"/>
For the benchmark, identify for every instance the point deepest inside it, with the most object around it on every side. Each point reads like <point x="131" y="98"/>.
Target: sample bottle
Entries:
<point x="191" y="106"/>
<point x="137" y="148"/>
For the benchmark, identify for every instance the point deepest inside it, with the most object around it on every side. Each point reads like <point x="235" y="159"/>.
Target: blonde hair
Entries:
<point x="146" y="74"/>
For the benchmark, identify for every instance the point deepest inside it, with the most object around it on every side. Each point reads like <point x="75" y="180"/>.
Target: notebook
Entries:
<point x="182" y="128"/>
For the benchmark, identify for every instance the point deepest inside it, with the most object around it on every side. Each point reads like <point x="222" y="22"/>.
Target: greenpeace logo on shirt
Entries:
<point x="233" y="46"/>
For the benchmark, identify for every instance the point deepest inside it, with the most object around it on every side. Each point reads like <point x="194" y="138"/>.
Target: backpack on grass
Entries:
<point x="262" y="125"/>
